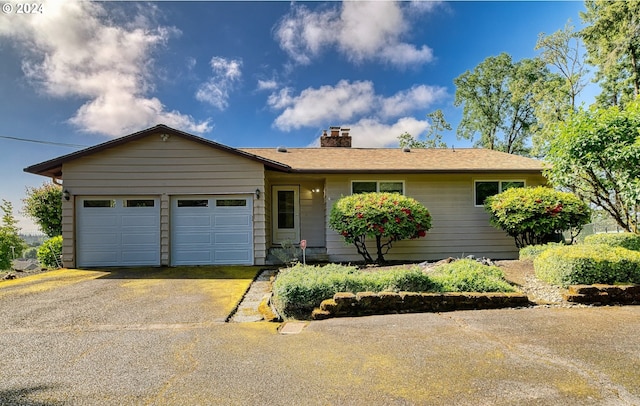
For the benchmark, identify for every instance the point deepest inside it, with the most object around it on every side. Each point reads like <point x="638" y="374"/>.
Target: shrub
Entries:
<point x="536" y="215"/>
<point x="49" y="252"/>
<point x="588" y="264"/>
<point x="467" y="275"/>
<point x="531" y="252"/>
<point x="387" y="217"/>
<point x="298" y="290"/>
<point x="30" y="253"/>
<point x="629" y="241"/>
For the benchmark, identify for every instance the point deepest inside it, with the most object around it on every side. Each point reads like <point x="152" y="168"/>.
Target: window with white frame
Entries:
<point x="486" y="188"/>
<point x="368" y="186"/>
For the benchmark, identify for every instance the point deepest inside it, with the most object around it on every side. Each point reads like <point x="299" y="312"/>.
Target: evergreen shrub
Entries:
<point x="629" y="241"/>
<point x="587" y="264"/>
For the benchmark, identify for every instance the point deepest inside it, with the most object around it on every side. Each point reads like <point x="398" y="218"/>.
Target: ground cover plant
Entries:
<point x="385" y="217"/>
<point x="467" y="275"/>
<point x="300" y="289"/>
<point x="588" y="264"/>
<point x="531" y="252"/>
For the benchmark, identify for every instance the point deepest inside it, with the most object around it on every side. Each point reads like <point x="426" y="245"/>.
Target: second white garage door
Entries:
<point x="209" y="230"/>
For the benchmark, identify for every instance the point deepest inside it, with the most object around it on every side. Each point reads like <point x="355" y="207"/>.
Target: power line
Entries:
<point x="62" y="144"/>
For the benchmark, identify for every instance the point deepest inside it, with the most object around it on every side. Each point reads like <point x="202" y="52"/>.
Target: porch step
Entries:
<point x="313" y="254"/>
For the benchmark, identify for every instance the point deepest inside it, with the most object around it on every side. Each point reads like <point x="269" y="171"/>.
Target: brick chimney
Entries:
<point x="336" y="139"/>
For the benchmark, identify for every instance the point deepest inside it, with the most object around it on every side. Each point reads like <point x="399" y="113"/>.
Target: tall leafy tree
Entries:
<point x="612" y="39"/>
<point x="498" y="102"/>
<point x="44" y="205"/>
<point x="556" y="96"/>
<point x="596" y="154"/>
<point x="11" y="245"/>
<point x="433" y="138"/>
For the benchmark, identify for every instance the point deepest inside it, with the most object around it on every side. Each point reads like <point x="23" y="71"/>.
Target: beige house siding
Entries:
<point x="458" y="227"/>
<point x="150" y="166"/>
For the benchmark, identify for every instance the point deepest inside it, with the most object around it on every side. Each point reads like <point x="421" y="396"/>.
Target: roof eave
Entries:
<point x="53" y="167"/>
<point x="415" y="171"/>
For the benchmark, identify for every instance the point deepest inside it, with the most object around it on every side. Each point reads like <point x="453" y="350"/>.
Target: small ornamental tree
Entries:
<point x="537" y="215"/>
<point x="44" y="205"/>
<point x="11" y="245"/>
<point x="386" y="217"/>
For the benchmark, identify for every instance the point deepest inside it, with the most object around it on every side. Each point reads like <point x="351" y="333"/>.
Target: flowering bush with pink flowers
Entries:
<point x="385" y="217"/>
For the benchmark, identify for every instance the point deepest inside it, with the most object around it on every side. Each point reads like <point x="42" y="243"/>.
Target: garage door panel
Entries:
<point x="185" y="238"/>
<point x="219" y="231"/>
<point x="232" y="256"/>
<point x="140" y="239"/>
<point x="232" y="238"/>
<point x="92" y="219"/>
<point x="233" y="221"/>
<point x="192" y="220"/>
<point x="143" y="220"/>
<point x="198" y="257"/>
<point x="99" y="239"/>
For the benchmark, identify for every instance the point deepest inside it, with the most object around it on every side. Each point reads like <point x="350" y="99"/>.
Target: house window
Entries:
<point x="377" y="186"/>
<point x="193" y="203"/>
<point x="99" y="203"/>
<point x="139" y="203"/>
<point x="231" y="202"/>
<point x="486" y="188"/>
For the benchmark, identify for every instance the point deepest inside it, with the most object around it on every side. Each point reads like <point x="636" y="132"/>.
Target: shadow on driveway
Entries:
<point x="182" y="272"/>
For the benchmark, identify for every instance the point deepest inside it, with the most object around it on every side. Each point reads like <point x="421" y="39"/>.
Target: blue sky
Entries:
<point x="246" y="74"/>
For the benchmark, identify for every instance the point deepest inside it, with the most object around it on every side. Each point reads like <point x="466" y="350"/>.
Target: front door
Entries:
<point x="286" y="214"/>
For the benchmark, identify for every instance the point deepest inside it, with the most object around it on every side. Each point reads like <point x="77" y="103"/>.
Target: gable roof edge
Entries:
<point x="53" y="167"/>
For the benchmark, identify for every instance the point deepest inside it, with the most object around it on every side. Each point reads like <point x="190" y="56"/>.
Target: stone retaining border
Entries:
<point x="346" y="304"/>
<point x="603" y="294"/>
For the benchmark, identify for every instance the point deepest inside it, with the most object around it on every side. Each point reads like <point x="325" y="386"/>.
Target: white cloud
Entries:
<point x="226" y="73"/>
<point x="267" y="85"/>
<point x="74" y="50"/>
<point x="361" y="30"/>
<point x="413" y="99"/>
<point x="371" y="133"/>
<point x="314" y="106"/>
<point x="348" y="101"/>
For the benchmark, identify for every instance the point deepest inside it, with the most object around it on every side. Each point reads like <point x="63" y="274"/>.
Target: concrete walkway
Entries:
<point x="248" y="309"/>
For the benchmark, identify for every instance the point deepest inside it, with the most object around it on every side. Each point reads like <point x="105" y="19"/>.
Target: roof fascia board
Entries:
<point x="53" y="167"/>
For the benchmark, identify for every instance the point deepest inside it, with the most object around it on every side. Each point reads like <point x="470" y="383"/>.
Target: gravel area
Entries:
<point x="521" y="274"/>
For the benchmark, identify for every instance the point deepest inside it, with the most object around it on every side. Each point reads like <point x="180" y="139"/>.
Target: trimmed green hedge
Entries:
<point x="300" y="289"/>
<point x="588" y="264"/>
<point x="629" y="241"/>
<point x="531" y="252"/>
<point x="467" y="275"/>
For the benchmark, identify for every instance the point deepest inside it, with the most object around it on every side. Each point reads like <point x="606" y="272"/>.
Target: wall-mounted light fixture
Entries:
<point x="258" y="194"/>
<point x="66" y="195"/>
<point x="315" y="190"/>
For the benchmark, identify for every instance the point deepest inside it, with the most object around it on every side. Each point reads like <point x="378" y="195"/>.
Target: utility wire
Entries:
<point x="62" y="144"/>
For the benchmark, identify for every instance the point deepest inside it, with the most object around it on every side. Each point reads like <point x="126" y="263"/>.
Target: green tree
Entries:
<point x="433" y="138"/>
<point x="556" y="96"/>
<point x="11" y="245"/>
<point x="49" y="252"/>
<point x="387" y="217"/>
<point x="612" y="40"/>
<point x="537" y="215"/>
<point x="498" y="102"/>
<point x="596" y="154"/>
<point x="44" y="205"/>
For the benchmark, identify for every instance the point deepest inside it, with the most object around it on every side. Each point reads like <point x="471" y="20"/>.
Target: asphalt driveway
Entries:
<point x="88" y="339"/>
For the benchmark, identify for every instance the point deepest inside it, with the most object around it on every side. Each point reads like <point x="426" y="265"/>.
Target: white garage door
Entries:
<point x="118" y="231"/>
<point x="212" y="230"/>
